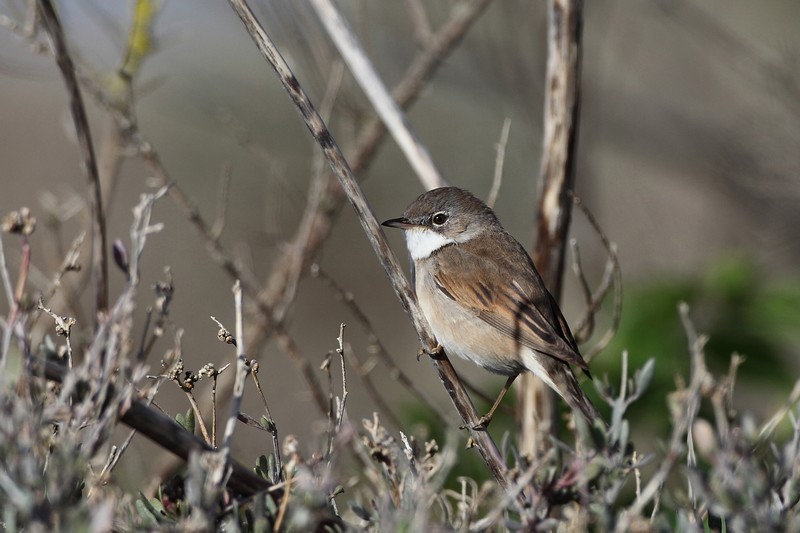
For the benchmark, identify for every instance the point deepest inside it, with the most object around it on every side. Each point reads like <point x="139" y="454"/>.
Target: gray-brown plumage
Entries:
<point x="483" y="297"/>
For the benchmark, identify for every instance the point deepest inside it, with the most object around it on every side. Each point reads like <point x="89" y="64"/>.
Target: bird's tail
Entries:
<point x="577" y="399"/>
<point x="558" y="375"/>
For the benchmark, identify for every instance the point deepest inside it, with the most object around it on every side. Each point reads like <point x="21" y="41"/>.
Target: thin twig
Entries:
<point x="165" y="432"/>
<point x="583" y="330"/>
<point x="69" y="264"/>
<point x="343" y="401"/>
<point x="287" y="490"/>
<point x="63" y="328"/>
<point x="112" y="458"/>
<point x="241" y="372"/>
<point x="198" y="415"/>
<point x="57" y="212"/>
<point x="141" y="354"/>
<point x="379" y="349"/>
<point x="767" y="429"/>
<point x="369" y="81"/>
<point x="326" y="367"/>
<point x="688" y="403"/>
<point x="613" y="274"/>
<point x="222" y="202"/>
<point x="12" y="320"/>
<point x="520" y="484"/>
<point x="6" y="276"/>
<point x="214" y="410"/>
<point x="81" y="122"/>
<point x="24" y="270"/>
<point x="499" y="161"/>
<point x="364" y="372"/>
<point x="273" y="428"/>
<point x="316" y="192"/>
<point x="419" y="21"/>
<point x="151" y="394"/>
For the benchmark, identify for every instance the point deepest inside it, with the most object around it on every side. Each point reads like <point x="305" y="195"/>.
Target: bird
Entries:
<point x="484" y="299"/>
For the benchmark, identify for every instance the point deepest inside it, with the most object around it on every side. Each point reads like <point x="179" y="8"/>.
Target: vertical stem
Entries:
<point x="554" y="205"/>
<point x="89" y="161"/>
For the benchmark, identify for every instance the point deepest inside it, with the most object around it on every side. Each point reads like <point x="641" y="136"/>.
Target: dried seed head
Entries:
<point x="208" y="370"/>
<point x="19" y="222"/>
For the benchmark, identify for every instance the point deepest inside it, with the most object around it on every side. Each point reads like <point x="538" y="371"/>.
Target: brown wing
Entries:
<point x="505" y="291"/>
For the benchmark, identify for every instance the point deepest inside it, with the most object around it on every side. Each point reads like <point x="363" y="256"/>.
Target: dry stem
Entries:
<point x="81" y="122"/>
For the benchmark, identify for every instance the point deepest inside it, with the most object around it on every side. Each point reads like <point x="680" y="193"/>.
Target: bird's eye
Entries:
<point x="439" y="219"/>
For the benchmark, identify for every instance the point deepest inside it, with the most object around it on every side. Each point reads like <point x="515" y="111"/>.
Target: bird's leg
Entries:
<point x="483" y="422"/>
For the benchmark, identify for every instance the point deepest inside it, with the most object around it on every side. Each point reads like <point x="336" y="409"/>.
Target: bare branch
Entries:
<point x="23" y="224"/>
<point x="363" y="71"/>
<point x="379" y="349"/>
<point x="343" y="401"/>
<point x="583" y="329"/>
<point x="557" y="176"/>
<point x="5" y="276"/>
<point x="89" y="166"/>
<point x="498" y="163"/>
<point x="326" y="195"/>
<point x="241" y="372"/>
<point x="63" y="328"/>
<point x="561" y="115"/>
<point x="272" y="427"/>
<point x="420" y="22"/>
<point x="222" y="202"/>
<point x="376" y="237"/>
<point x="325" y="200"/>
<point x="613" y="274"/>
<point x="198" y="416"/>
<point x="316" y="193"/>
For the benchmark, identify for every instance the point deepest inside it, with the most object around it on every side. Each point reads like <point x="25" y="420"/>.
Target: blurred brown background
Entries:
<point x="688" y="153"/>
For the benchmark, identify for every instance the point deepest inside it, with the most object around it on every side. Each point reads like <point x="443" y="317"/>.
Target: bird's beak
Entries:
<point x="401" y="223"/>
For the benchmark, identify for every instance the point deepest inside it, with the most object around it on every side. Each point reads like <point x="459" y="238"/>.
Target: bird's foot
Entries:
<point x="432" y="353"/>
<point x="482" y="423"/>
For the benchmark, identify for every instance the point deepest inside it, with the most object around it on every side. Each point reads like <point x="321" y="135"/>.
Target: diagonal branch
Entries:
<point x="364" y="73"/>
<point x="402" y="288"/>
<point x="326" y="203"/>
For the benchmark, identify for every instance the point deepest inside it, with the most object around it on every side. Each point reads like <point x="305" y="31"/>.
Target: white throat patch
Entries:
<point x="422" y="242"/>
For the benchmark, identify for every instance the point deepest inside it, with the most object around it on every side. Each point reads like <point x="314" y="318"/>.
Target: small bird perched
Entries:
<point x="484" y="298"/>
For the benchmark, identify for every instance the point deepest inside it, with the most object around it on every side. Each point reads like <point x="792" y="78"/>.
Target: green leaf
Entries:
<point x="150" y="516"/>
<point x="186" y="421"/>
